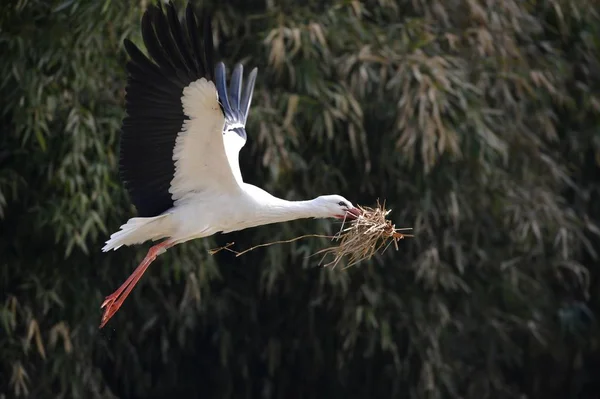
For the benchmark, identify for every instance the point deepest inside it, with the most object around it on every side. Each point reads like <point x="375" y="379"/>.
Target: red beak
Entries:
<point x="351" y="214"/>
<point x="355" y="212"/>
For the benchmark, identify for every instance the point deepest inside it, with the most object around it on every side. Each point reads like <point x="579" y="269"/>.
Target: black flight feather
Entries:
<point x="235" y="89"/>
<point x="248" y="91"/>
<point x="209" y="58"/>
<point x="178" y="56"/>
<point x="153" y="103"/>
<point x="221" y="84"/>
<point x="180" y="39"/>
<point x="165" y="38"/>
<point x="235" y="110"/>
<point x="195" y="44"/>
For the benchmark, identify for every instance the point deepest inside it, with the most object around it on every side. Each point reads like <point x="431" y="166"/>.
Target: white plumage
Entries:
<point x="180" y="148"/>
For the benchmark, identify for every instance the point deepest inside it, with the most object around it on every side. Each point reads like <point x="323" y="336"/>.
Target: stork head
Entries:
<point x="336" y="206"/>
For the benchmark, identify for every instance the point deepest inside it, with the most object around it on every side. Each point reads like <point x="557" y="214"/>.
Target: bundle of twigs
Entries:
<point x="364" y="236"/>
<point x="359" y="239"/>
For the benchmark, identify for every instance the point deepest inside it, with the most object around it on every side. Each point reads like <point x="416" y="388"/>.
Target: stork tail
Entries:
<point x="137" y="231"/>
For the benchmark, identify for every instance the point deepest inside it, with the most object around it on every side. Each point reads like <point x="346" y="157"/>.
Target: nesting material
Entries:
<point x="359" y="239"/>
<point x="364" y="236"/>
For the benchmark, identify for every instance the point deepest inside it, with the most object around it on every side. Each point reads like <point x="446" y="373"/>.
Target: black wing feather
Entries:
<point x="235" y="110"/>
<point x="235" y="89"/>
<point x="208" y="56"/>
<point x="248" y="91"/>
<point x="180" y="39"/>
<point x="195" y="43"/>
<point x="167" y="42"/>
<point x="152" y="44"/>
<point x="139" y="60"/>
<point x="221" y="84"/>
<point x="153" y="101"/>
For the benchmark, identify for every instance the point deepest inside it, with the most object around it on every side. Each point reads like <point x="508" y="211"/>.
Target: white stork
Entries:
<point x="180" y="143"/>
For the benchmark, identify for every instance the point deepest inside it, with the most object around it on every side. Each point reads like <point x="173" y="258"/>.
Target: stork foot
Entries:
<point x="111" y="308"/>
<point x="113" y="302"/>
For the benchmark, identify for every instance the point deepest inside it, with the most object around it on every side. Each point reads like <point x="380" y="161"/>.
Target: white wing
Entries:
<point x="178" y="136"/>
<point x="201" y="161"/>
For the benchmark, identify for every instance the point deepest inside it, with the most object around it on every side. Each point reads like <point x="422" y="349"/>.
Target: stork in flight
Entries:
<point x="180" y="143"/>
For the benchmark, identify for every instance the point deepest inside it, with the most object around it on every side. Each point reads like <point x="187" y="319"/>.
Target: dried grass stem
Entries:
<point x="362" y="239"/>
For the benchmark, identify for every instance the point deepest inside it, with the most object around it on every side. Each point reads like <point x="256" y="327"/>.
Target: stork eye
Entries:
<point x="342" y="203"/>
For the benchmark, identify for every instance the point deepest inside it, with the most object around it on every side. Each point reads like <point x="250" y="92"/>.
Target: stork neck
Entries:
<point x="270" y="209"/>
<point x="281" y="210"/>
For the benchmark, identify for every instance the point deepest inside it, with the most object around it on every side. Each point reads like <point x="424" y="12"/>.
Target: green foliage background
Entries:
<point x="477" y="120"/>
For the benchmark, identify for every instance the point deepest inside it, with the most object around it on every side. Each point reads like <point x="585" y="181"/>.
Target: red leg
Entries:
<point x="114" y="301"/>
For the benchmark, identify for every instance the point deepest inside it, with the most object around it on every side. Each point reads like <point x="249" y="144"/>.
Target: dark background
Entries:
<point x="476" y="120"/>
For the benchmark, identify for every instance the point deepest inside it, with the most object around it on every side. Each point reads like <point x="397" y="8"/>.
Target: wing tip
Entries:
<point x="248" y="93"/>
<point x="236" y="104"/>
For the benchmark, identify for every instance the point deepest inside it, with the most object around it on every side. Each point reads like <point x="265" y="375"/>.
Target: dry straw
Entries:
<point x="365" y="236"/>
<point x="359" y="239"/>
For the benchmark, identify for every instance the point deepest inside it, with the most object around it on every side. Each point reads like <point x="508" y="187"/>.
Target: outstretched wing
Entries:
<point x="172" y="141"/>
<point x="236" y="106"/>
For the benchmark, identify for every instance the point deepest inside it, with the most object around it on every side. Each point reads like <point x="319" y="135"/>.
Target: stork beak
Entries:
<point x="353" y="213"/>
